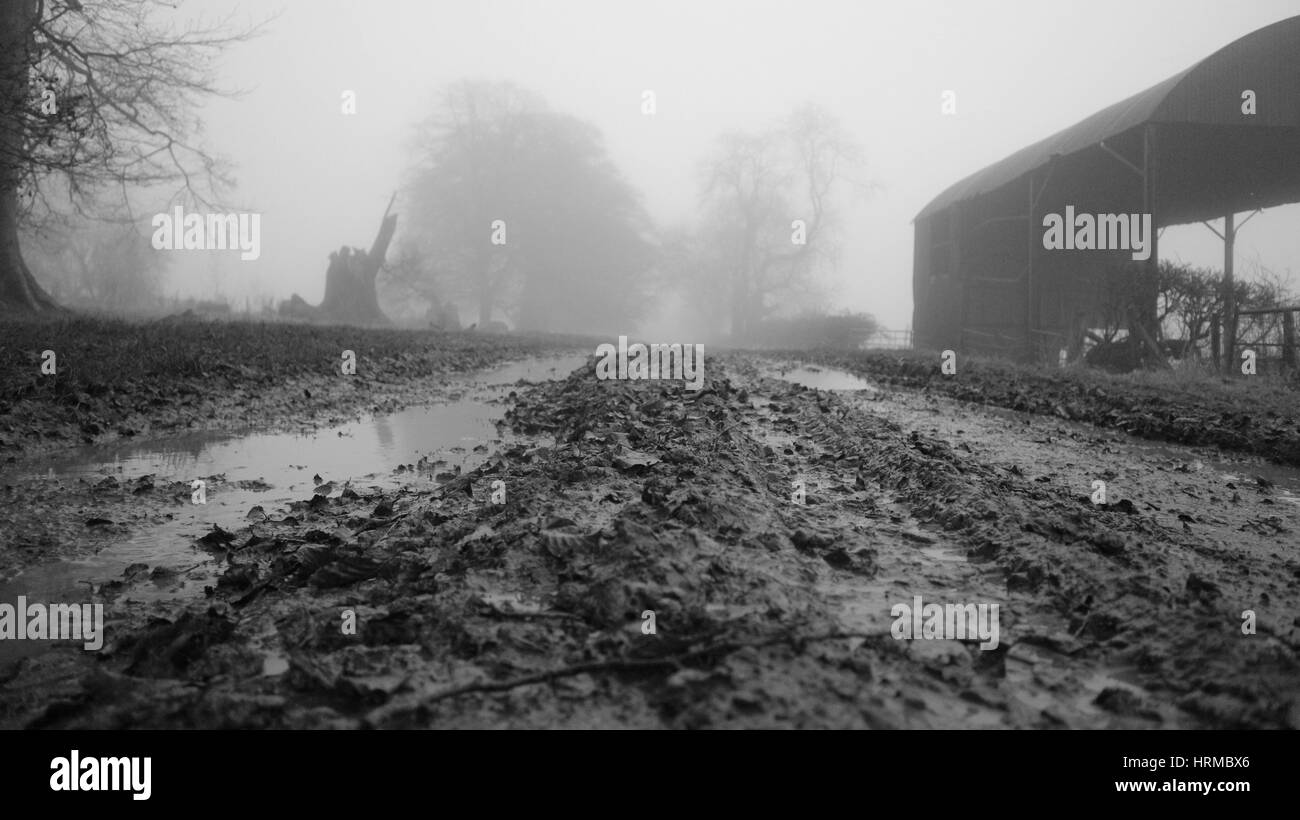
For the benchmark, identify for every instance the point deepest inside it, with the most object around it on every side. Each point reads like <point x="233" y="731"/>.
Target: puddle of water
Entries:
<point x="288" y="461"/>
<point x="1286" y="479"/>
<point x="825" y="378"/>
<point x="460" y="435"/>
<point x="537" y="369"/>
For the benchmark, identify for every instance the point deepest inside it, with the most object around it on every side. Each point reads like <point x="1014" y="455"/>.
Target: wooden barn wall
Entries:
<point x="995" y="250"/>
<point x="936" y="290"/>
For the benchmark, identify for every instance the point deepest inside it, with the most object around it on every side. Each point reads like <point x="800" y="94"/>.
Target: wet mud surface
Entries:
<point x="1253" y="415"/>
<point x="114" y="381"/>
<point x="770" y="528"/>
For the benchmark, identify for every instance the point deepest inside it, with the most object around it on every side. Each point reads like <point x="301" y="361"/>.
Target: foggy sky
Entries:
<point x="1021" y="71"/>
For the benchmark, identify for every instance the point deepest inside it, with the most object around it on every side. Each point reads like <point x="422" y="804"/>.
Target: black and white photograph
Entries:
<point x="882" y="368"/>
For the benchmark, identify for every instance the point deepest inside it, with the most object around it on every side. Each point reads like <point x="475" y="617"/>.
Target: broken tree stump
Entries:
<point x="350" y="295"/>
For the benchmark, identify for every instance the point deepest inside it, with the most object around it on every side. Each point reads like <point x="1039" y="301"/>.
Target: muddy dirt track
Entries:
<point x="770" y="609"/>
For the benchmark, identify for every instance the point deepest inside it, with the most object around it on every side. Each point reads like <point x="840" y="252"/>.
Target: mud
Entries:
<point x="770" y="609"/>
<point x="1256" y="416"/>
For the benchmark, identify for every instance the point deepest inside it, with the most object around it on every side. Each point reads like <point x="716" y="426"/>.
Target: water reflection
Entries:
<point x="266" y="469"/>
<point x="826" y="378"/>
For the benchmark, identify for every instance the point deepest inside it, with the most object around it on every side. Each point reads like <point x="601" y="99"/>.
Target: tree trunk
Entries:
<point x="742" y="285"/>
<point x="738" y="298"/>
<point x="18" y="289"/>
<point x="350" y="289"/>
<point x="350" y="294"/>
<point x="483" y="262"/>
<point x="484" y="306"/>
<point x="1140" y="327"/>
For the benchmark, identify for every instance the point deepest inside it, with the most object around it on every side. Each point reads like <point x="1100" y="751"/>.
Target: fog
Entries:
<point x="1020" y="71"/>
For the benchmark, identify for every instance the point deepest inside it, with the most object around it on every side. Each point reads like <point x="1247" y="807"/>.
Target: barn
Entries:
<point x="1219" y="139"/>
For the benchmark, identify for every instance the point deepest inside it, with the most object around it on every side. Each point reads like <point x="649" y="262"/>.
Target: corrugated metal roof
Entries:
<point x="1163" y="102"/>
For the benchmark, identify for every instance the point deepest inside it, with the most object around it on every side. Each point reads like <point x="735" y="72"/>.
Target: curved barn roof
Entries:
<point x="1208" y="93"/>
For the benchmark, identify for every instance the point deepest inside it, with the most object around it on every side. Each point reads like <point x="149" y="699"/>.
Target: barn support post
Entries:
<point x="1229" y="295"/>
<point x="1288" y="339"/>
<point x="1143" y="314"/>
<point x="1218" y="318"/>
<point x="1146" y="312"/>
<point x="1228" y="291"/>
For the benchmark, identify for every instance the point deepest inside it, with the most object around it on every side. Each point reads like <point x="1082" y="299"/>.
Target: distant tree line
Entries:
<point x="518" y="209"/>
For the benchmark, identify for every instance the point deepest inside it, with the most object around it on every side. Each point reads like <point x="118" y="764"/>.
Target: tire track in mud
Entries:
<point x="628" y="497"/>
<point x="1199" y="546"/>
<point x="837" y="561"/>
<point x="1163" y="604"/>
<point x="858" y="464"/>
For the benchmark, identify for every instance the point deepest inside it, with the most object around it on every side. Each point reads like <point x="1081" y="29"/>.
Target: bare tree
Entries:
<point x="695" y="266"/>
<point x="463" y="153"/>
<point x="1189" y="301"/>
<point x="97" y="263"/>
<point x="524" y="210"/>
<point x="770" y="204"/>
<point x="97" y="96"/>
<point x="1189" y="298"/>
<point x="1263" y="289"/>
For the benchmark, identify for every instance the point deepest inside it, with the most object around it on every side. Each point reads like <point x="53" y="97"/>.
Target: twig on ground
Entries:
<point x="615" y="665"/>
